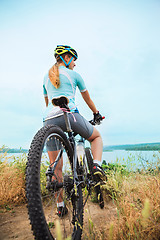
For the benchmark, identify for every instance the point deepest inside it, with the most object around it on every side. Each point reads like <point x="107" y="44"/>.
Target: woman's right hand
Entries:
<point x="97" y="118"/>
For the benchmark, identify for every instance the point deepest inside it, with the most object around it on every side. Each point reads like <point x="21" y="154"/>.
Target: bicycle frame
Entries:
<point x="73" y="143"/>
<point x="71" y="139"/>
<point x="74" y="163"/>
<point x="52" y="167"/>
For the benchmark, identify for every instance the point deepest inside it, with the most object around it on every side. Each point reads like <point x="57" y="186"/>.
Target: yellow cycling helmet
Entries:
<point x="61" y="49"/>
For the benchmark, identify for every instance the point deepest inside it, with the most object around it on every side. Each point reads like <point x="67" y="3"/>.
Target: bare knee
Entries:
<point x="94" y="135"/>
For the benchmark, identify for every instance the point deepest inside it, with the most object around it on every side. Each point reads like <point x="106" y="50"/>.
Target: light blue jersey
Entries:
<point x="69" y="80"/>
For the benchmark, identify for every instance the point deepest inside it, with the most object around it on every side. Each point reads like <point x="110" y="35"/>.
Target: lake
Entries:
<point x="132" y="159"/>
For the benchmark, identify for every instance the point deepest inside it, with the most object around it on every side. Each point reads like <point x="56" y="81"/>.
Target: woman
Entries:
<point x="62" y="80"/>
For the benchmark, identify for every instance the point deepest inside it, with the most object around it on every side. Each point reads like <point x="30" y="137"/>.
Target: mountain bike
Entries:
<point x="47" y="183"/>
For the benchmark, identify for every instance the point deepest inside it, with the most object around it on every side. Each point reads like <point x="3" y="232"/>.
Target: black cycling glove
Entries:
<point x="97" y="118"/>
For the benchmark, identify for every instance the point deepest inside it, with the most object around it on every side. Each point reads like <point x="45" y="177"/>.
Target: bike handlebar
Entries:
<point x="96" y="123"/>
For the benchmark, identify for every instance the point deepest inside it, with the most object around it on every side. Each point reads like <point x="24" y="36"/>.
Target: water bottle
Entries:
<point x="80" y="152"/>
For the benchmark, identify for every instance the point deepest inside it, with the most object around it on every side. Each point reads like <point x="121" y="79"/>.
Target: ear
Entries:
<point x="67" y="57"/>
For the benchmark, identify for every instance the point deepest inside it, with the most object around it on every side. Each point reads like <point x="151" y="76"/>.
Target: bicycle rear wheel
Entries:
<point x="44" y="191"/>
<point x="97" y="188"/>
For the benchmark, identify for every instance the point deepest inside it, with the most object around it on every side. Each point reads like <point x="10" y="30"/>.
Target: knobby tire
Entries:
<point x="40" y="228"/>
<point x="97" y="189"/>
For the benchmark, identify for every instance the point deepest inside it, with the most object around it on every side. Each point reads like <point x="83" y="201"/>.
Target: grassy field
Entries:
<point x="136" y="196"/>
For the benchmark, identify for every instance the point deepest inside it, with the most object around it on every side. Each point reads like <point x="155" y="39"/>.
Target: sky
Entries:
<point x="119" y="59"/>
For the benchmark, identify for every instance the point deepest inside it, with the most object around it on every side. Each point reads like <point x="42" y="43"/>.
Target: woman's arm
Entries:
<point x="46" y="100"/>
<point x="89" y="101"/>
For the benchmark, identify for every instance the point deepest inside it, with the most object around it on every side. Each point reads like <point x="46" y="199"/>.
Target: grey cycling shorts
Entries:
<point x="78" y="124"/>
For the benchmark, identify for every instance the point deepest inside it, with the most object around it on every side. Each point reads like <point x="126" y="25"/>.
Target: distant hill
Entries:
<point x="13" y="150"/>
<point x="127" y="147"/>
<point x="134" y="147"/>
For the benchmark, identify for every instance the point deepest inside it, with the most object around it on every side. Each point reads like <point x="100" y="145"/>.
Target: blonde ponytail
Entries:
<point x="54" y="75"/>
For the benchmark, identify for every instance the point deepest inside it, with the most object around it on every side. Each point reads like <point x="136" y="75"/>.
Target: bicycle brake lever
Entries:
<point x="92" y="122"/>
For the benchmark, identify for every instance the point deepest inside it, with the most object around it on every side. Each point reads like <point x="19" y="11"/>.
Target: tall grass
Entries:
<point x="137" y="198"/>
<point x="138" y="206"/>
<point x="12" y="179"/>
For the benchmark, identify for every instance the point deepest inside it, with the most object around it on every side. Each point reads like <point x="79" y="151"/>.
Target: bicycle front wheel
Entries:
<point x="50" y="188"/>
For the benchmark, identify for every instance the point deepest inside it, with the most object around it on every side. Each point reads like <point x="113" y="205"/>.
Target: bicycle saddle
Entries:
<point x="61" y="101"/>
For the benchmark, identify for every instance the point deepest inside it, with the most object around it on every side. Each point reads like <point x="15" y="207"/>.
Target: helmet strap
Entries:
<point x="67" y="64"/>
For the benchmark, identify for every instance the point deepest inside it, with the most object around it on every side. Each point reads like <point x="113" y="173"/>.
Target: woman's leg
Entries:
<point x="87" y="131"/>
<point x="52" y="146"/>
<point x="96" y="145"/>
<point x="58" y="171"/>
<point x="97" y="149"/>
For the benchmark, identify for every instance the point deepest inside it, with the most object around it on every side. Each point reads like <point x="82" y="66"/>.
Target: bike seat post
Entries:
<point x="67" y="121"/>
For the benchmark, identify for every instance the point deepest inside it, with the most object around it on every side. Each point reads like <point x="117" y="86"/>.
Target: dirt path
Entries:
<point x="14" y="224"/>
